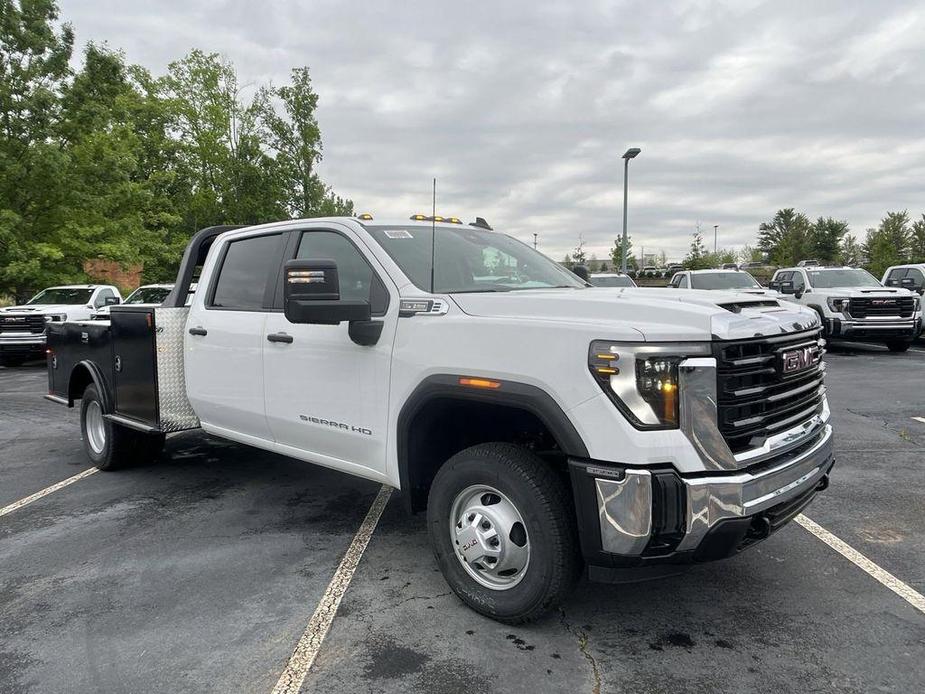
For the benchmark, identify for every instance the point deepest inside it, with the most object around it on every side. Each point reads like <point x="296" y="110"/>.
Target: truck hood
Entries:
<point x="660" y="315"/>
<point x="42" y="308"/>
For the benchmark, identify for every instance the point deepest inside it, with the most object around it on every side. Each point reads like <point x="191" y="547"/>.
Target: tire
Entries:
<point x="898" y="345"/>
<point x="110" y="446"/>
<point x="825" y="323"/>
<point x="12" y="360"/>
<point x="492" y="478"/>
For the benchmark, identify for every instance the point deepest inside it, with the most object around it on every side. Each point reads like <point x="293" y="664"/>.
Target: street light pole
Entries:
<point x="715" y="227"/>
<point x="631" y="153"/>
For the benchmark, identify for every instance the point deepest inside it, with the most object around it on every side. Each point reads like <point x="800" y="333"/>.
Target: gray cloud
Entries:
<point x="522" y="111"/>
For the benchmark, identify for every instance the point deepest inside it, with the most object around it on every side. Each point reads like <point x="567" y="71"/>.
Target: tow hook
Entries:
<point x="760" y="528"/>
<point x="823" y="484"/>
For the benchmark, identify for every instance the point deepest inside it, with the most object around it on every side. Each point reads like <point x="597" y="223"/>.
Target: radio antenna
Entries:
<point x="433" y="237"/>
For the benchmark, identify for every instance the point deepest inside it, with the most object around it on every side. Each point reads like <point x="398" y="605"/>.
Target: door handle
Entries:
<point x="198" y="330"/>
<point x="280" y="337"/>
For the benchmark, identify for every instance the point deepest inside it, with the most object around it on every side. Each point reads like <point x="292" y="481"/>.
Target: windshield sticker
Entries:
<point x="398" y="234"/>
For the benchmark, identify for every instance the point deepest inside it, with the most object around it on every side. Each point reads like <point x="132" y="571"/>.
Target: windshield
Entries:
<point x="611" y="281"/>
<point x="470" y="260"/>
<point x="148" y="295"/>
<point x="847" y="277"/>
<point x="62" y="295"/>
<point x="724" y="280"/>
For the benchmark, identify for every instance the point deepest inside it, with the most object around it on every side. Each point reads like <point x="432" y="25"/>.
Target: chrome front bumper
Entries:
<point x="871" y="327"/>
<point x="625" y="498"/>
<point x="22" y="340"/>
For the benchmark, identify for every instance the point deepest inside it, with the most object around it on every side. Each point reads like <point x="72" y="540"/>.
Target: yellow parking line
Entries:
<point x="903" y="590"/>
<point x="290" y="682"/>
<point x="45" y="492"/>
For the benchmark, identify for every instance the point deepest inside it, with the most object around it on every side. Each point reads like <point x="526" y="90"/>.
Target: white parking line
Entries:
<point x="45" y="492"/>
<point x="916" y="599"/>
<point x="307" y="649"/>
<point x="919" y="419"/>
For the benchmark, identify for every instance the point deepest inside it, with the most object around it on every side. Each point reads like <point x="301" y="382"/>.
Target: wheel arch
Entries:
<point x="83" y="374"/>
<point x="440" y="402"/>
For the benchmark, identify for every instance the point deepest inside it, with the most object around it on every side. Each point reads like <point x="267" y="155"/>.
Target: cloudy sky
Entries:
<point x="522" y="109"/>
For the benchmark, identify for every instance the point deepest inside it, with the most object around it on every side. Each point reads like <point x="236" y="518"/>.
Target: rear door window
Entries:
<point x="245" y="271"/>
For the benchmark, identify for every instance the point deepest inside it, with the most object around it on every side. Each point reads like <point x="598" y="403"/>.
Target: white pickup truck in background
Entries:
<point x="853" y="305"/>
<point x="543" y="424"/>
<point x="22" y="328"/>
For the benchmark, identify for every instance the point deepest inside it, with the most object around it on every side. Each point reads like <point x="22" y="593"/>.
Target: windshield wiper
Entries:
<point x="478" y="291"/>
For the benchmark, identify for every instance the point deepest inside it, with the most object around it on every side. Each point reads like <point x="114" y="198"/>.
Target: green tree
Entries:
<point x="785" y="238"/>
<point x="850" y="251"/>
<point x="890" y="243"/>
<point x="697" y="258"/>
<point x="34" y="67"/>
<point x="579" y="257"/>
<point x="296" y="138"/>
<point x="616" y="254"/>
<point x="750" y="254"/>
<point x="917" y="241"/>
<point x="113" y="162"/>
<point x="825" y="236"/>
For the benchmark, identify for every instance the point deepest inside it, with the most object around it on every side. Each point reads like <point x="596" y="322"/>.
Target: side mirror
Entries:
<point x="582" y="272"/>
<point x="785" y="287"/>
<point x="891" y="283"/>
<point x="909" y="283"/>
<point x="112" y="301"/>
<point x="312" y="294"/>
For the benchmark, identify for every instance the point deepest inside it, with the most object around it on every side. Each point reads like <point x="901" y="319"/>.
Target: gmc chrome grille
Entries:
<point x="881" y="307"/>
<point x="14" y="323"/>
<point x="766" y="385"/>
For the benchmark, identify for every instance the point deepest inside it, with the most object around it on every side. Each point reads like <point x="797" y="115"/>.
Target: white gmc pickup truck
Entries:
<point x="22" y="328"/>
<point x="853" y="305"/>
<point x="543" y="424"/>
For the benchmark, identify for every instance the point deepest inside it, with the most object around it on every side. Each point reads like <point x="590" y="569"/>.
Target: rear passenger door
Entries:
<point x="225" y="338"/>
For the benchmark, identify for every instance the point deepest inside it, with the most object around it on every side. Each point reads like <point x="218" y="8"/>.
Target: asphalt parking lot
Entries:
<point x="200" y="573"/>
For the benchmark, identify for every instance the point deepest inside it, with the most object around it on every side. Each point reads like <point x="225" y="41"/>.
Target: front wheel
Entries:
<point x="898" y="345"/>
<point x="110" y="446"/>
<point x="502" y="527"/>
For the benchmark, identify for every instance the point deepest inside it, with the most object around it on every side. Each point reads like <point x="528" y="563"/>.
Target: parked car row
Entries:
<point x="23" y="328"/>
<point x="850" y="302"/>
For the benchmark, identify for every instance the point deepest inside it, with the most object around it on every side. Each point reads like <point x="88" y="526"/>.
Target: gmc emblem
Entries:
<point x="796" y="360"/>
<point x="883" y="302"/>
<point x="14" y="319"/>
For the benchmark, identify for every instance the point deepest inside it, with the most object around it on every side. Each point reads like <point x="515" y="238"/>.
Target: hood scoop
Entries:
<point x="738" y="306"/>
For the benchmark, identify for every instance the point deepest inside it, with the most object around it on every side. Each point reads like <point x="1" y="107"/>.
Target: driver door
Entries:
<point x="326" y="396"/>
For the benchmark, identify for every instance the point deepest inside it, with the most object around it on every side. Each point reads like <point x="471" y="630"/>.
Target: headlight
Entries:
<point x="642" y="379"/>
<point x="916" y="304"/>
<point x="55" y="317"/>
<point x="838" y="305"/>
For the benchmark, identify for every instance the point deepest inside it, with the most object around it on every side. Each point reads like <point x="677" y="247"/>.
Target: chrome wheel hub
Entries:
<point x="489" y="537"/>
<point x="96" y="427"/>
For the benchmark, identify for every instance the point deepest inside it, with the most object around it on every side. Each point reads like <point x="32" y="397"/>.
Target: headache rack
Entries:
<point x="755" y="398"/>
